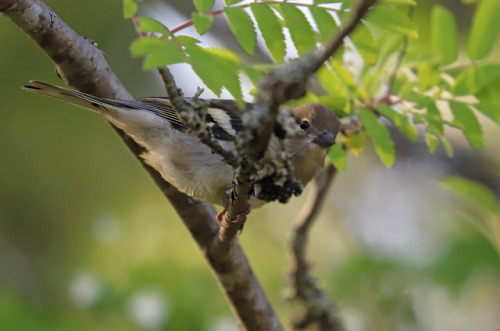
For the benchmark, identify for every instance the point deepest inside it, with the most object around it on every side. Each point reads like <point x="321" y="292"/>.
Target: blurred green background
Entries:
<point x="87" y="242"/>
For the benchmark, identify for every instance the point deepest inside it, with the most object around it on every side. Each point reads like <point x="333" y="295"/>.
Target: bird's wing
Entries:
<point x="224" y="116"/>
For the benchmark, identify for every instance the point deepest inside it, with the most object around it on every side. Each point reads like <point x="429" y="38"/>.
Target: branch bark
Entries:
<point x="317" y="307"/>
<point x="82" y="65"/>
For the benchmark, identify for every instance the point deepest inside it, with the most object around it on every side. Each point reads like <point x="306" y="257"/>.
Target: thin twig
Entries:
<point x="317" y="307"/>
<point x="399" y="60"/>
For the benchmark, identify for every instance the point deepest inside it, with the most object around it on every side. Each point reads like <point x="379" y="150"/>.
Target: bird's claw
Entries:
<point x="240" y="218"/>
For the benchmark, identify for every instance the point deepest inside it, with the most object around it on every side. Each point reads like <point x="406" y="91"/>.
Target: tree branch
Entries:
<point x="287" y="82"/>
<point x="82" y="65"/>
<point x="318" y="309"/>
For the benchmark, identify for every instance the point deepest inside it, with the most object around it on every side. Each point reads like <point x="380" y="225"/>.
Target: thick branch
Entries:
<point x="83" y="66"/>
<point x="318" y="309"/>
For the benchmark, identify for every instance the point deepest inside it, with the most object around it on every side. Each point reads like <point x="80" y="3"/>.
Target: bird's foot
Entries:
<point x="220" y="216"/>
<point x="240" y="218"/>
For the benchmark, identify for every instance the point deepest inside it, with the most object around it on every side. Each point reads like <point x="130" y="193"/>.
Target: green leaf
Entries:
<point x="338" y="157"/>
<point x="392" y="20"/>
<point x="147" y="24"/>
<point x="362" y="38"/>
<point x="432" y="141"/>
<point x="421" y="100"/>
<point x="222" y="70"/>
<point x="232" y="2"/>
<point x="444" y="39"/>
<point x="242" y="27"/>
<point x="485" y="205"/>
<point x="271" y="29"/>
<point x="489" y="100"/>
<point x="418" y="118"/>
<point x="485" y="27"/>
<point x="202" y="23"/>
<point x="381" y="138"/>
<point x="187" y="40"/>
<point x="231" y="57"/>
<point x="129" y="8"/>
<point x="447" y="146"/>
<point x="300" y="29"/>
<point x="466" y="120"/>
<point x="161" y="52"/>
<point x="388" y="48"/>
<point x="371" y="83"/>
<point x="203" y="5"/>
<point x="332" y="85"/>
<point x="355" y="142"/>
<point x="472" y="80"/>
<point x="474" y="192"/>
<point x="401" y="121"/>
<point x="325" y="22"/>
<point x="427" y="76"/>
<point x="434" y="120"/>
<point x="490" y="110"/>
<point x="345" y="76"/>
<point x="252" y="73"/>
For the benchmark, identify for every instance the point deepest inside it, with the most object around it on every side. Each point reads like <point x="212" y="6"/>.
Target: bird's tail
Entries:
<point x="74" y="97"/>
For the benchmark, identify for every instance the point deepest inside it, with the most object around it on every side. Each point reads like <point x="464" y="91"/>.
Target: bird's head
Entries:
<point x="318" y="124"/>
<point x="318" y="127"/>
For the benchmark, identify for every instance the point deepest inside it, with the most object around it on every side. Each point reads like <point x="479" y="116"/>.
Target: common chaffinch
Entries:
<point x="190" y="165"/>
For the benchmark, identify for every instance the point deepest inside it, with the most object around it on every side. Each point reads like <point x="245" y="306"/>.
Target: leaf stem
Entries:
<point x="136" y="26"/>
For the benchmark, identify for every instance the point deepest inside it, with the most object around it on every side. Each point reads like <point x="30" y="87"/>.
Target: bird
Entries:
<point x="185" y="162"/>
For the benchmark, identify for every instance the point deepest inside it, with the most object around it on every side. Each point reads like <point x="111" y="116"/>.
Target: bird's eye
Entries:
<point x="304" y="125"/>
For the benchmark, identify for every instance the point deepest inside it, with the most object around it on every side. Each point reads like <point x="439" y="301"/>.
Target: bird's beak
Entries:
<point x="324" y="140"/>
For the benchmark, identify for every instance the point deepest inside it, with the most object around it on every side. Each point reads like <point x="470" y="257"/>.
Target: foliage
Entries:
<point x="405" y="89"/>
<point x="47" y="225"/>
<point x="384" y="288"/>
<point x="482" y="204"/>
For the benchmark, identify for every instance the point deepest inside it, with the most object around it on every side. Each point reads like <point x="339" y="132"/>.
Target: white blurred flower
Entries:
<point x="84" y="289"/>
<point x="149" y="309"/>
